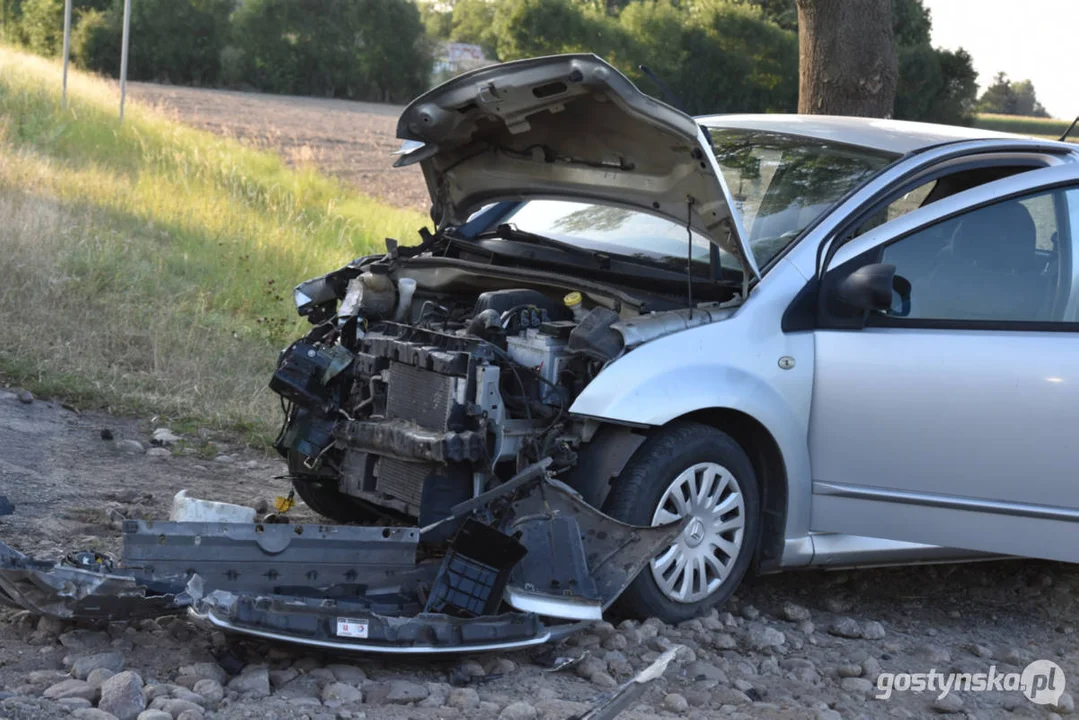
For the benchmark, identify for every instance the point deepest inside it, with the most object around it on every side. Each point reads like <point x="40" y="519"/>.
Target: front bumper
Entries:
<point x="546" y="561"/>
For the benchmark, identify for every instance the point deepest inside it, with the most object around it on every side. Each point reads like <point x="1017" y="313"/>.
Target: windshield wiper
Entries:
<point x="506" y="231"/>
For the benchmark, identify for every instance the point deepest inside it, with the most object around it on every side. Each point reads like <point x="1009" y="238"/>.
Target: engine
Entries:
<point x="412" y="402"/>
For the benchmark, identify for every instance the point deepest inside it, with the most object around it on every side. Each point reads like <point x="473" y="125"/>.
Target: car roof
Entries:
<point x="895" y="136"/>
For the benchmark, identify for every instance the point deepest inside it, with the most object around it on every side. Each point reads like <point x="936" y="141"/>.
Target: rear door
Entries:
<point x="953" y="418"/>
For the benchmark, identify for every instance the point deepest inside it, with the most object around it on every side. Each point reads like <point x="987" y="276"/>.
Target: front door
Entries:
<point x="953" y="418"/>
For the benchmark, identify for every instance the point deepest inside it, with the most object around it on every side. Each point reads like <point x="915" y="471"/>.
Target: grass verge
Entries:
<point x="1041" y="127"/>
<point x="147" y="266"/>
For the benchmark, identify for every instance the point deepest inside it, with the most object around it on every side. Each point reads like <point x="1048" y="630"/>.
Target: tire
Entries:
<point x="325" y="499"/>
<point x="650" y="477"/>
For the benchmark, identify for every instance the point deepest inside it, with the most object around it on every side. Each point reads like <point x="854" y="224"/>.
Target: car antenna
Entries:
<point x="1069" y="130"/>
<point x="689" y="254"/>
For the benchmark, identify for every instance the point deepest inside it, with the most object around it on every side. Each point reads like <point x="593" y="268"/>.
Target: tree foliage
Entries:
<point x="364" y="49"/>
<point x="1011" y="98"/>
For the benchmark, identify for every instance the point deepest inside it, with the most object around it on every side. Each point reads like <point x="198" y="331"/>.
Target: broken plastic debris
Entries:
<point x="188" y="509"/>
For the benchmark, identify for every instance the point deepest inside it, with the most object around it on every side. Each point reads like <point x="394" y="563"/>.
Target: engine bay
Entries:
<point x="413" y="401"/>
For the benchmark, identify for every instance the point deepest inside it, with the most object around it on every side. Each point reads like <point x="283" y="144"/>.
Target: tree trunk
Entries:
<point x="846" y="56"/>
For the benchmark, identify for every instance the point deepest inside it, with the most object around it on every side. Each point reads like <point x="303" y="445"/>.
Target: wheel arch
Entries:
<point x="770" y="468"/>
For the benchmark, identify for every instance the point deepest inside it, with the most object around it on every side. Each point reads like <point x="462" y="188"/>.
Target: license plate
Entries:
<point x="351" y="627"/>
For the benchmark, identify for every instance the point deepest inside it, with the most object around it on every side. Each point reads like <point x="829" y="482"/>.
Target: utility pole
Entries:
<point x="67" y="49"/>
<point x="123" y="56"/>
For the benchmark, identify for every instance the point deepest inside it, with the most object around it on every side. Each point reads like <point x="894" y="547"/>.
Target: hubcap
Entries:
<point x="702" y="556"/>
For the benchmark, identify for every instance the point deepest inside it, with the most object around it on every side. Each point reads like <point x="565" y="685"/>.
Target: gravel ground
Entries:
<point x="349" y="140"/>
<point x="799" y="645"/>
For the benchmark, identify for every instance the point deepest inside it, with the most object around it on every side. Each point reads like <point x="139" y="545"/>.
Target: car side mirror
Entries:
<point x="868" y="288"/>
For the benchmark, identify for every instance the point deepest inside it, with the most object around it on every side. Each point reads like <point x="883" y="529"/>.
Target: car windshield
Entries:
<point x="780" y="185"/>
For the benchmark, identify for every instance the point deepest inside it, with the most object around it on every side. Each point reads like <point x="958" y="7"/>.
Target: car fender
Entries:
<point x="736" y="364"/>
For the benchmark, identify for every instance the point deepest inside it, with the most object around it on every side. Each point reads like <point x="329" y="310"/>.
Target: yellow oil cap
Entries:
<point x="572" y="299"/>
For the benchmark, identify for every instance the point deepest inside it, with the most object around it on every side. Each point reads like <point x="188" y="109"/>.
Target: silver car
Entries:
<point x="812" y="341"/>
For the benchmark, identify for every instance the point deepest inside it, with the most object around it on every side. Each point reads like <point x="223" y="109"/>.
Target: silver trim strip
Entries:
<point x="381" y="649"/>
<point x="951" y="502"/>
<point x="537" y="604"/>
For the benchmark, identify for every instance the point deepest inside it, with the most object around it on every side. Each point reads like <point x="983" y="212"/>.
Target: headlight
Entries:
<point x="303" y="302"/>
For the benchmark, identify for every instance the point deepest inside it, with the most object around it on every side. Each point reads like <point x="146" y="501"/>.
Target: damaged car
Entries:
<point x="640" y="355"/>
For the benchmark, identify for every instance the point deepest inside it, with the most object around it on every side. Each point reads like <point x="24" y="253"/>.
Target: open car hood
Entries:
<point x="568" y="127"/>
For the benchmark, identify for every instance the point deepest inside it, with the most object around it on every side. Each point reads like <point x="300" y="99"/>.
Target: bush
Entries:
<point x="234" y="67"/>
<point x="42" y="25"/>
<point x="365" y="49"/>
<point x="95" y="42"/>
<point x="177" y="41"/>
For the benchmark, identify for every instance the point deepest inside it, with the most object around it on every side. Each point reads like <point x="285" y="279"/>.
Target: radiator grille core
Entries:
<point x="420" y="396"/>
<point x="403" y="480"/>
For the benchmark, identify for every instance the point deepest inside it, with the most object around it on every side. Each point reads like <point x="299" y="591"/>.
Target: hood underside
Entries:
<point x="566" y="126"/>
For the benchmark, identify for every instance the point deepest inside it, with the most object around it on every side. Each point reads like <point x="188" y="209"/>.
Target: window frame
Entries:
<point x="831" y="316"/>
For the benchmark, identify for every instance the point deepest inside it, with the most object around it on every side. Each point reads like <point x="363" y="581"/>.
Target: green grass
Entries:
<point x="1040" y="127"/>
<point x="147" y="267"/>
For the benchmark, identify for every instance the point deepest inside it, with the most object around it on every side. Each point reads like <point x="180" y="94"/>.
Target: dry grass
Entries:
<point x="147" y="266"/>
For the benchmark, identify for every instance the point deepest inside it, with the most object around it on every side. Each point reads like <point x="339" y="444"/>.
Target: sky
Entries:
<point x="1028" y="39"/>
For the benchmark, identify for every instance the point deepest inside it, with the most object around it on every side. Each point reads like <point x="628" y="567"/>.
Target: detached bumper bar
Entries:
<point x="362" y="588"/>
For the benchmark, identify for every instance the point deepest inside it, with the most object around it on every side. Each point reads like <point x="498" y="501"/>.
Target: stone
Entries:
<point x="934" y="654"/>
<point x="283" y="677"/>
<point x="950" y="703"/>
<point x="174" y="706"/>
<point x="501" y="666"/>
<point x="849" y="670"/>
<point x="210" y="690"/>
<point x="74" y="703"/>
<point x="24" y="396"/>
<point x="347" y="673"/>
<point x="471" y="668"/>
<point x="675" y="703"/>
<point x="793" y="612"/>
<point x="130" y="447"/>
<point x="604" y="680"/>
<point x="323" y="675"/>
<point x="845" y="627"/>
<point x="206" y="670"/>
<point x="518" y="711"/>
<point x="253" y="683"/>
<point x="92" y="714"/>
<point x="183" y="693"/>
<point x="589" y="667"/>
<point x="82" y="667"/>
<point x="724" y="641"/>
<point x="71" y="688"/>
<point x="224" y="459"/>
<point x="306" y="664"/>
<point x="40" y="677"/>
<point x="701" y="670"/>
<point x="761" y="636"/>
<point x="856" y="685"/>
<point x="158" y="453"/>
<point x="84" y="640"/>
<point x="750" y="613"/>
<point x="873" y="630"/>
<point x="190" y="715"/>
<point x="98" y="676"/>
<point x="464" y="698"/>
<point x="402" y="692"/>
<point x="335" y="694"/>
<point x="616" y="642"/>
<point x="154" y="715"/>
<point x="121" y="695"/>
<point x="165" y="436"/>
<point x="1065" y="704"/>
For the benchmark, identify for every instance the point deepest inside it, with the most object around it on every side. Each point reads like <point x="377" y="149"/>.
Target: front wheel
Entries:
<point x="696" y="471"/>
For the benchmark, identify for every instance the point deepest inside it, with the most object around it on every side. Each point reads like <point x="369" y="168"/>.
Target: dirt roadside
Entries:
<point x="801" y="645"/>
<point x="353" y="141"/>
